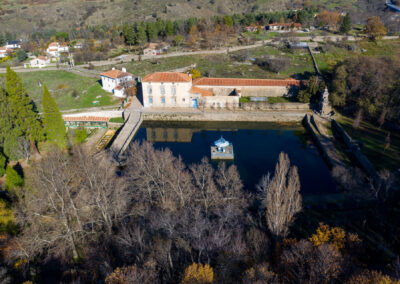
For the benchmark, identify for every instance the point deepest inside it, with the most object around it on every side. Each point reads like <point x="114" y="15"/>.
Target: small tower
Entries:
<point x="325" y="107"/>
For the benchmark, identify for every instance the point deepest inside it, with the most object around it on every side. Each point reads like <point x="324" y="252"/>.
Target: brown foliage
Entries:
<point x="375" y="28"/>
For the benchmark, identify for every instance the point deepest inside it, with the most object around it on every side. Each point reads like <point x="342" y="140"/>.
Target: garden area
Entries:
<point x="240" y="64"/>
<point x="69" y="90"/>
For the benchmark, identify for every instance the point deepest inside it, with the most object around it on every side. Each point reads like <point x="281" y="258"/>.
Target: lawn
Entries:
<point x="224" y="65"/>
<point x="70" y="91"/>
<point x="373" y="140"/>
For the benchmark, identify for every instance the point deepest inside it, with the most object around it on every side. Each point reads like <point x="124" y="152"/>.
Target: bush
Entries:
<point x="80" y="135"/>
<point x="13" y="179"/>
<point x="21" y="55"/>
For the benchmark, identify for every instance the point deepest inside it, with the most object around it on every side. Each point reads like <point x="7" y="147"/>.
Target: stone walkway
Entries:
<point x="134" y="119"/>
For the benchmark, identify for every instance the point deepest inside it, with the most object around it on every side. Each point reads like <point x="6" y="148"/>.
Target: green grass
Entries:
<point x="326" y="61"/>
<point x="223" y="65"/>
<point x="64" y="86"/>
<point x="373" y="139"/>
<point x="117" y="120"/>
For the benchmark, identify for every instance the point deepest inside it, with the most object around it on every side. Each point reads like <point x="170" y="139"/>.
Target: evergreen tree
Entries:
<point x="2" y="40"/>
<point x="13" y="179"/>
<point x="152" y="31"/>
<point x="3" y="162"/>
<point x="141" y="37"/>
<point x="53" y="122"/>
<point x="23" y="115"/>
<point x="228" y="21"/>
<point x="169" y="28"/>
<point x="129" y="34"/>
<point x="345" y="27"/>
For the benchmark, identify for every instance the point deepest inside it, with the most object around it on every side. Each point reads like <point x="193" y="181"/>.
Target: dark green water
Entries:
<point x="256" y="147"/>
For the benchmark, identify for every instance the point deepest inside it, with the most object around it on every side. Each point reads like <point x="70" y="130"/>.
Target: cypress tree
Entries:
<point x="24" y="117"/>
<point x="53" y="122"/>
<point x="345" y="27"/>
<point x="3" y="162"/>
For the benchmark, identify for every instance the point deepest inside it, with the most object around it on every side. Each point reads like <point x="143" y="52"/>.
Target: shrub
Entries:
<point x="61" y="86"/>
<point x="195" y="73"/>
<point x="80" y="135"/>
<point x="198" y="273"/>
<point x="13" y="179"/>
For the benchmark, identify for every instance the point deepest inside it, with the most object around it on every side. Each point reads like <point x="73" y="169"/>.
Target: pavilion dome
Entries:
<point x="221" y="142"/>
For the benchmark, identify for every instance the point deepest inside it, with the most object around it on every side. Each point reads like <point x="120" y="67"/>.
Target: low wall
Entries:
<point x="104" y="113"/>
<point x="311" y="127"/>
<point x="277" y="106"/>
<point x="257" y="116"/>
<point x="354" y="150"/>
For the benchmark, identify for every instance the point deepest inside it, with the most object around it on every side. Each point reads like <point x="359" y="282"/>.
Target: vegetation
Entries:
<point x="117" y="120"/>
<point x="52" y="120"/>
<point x="13" y="179"/>
<point x="80" y="135"/>
<point x="70" y="91"/>
<point x="375" y="28"/>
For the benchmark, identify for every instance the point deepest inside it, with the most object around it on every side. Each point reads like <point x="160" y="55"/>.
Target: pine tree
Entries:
<point x="13" y="179"/>
<point x="141" y="37"/>
<point x="24" y="117"/>
<point x="53" y="122"/>
<point x="345" y="27"/>
<point x="169" y="28"/>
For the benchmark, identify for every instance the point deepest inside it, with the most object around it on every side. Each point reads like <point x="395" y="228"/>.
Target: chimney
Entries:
<point x="113" y="68"/>
<point x="123" y="69"/>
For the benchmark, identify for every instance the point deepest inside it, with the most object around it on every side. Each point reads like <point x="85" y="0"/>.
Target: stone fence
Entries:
<point x="276" y="106"/>
<point x="354" y="150"/>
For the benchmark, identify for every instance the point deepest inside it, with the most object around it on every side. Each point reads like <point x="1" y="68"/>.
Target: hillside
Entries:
<point x="29" y="15"/>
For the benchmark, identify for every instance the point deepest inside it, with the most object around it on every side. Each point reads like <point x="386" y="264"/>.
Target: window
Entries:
<point x="151" y="100"/>
<point x="163" y="100"/>
<point x="173" y="90"/>
<point x="174" y="101"/>
<point x="183" y="100"/>
<point x="162" y="89"/>
<point x="149" y="90"/>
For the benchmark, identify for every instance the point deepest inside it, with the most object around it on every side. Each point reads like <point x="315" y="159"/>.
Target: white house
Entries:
<point x="39" y="62"/>
<point x="56" y="48"/>
<point x="14" y="44"/>
<point x="155" y="48"/>
<point x="4" y="51"/>
<point x="113" y="81"/>
<point x="174" y="89"/>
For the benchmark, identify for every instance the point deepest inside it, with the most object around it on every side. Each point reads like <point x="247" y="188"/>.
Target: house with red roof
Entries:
<point x="115" y="81"/>
<point x="55" y="49"/>
<point x="39" y="62"/>
<point x="4" y="51"/>
<point x="174" y="89"/>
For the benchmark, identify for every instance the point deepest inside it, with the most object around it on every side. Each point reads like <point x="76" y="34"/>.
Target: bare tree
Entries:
<point x="281" y="196"/>
<point x="72" y="200"/>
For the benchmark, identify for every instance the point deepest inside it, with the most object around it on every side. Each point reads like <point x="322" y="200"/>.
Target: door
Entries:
<point x="194" y="103"/>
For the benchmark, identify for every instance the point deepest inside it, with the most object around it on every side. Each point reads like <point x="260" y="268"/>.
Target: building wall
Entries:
<point x="39" y="63"/>
<point x="219" y="102"/>
<point x="249" y="91"/>
<point x="155" y="98"/>
<point x="109" y="84"/>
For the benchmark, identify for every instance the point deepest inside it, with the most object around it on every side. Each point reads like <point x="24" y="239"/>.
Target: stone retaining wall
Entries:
<point x="354" y="150"/>
<point x="277" y="106"/>
<point x="259" y="116"/>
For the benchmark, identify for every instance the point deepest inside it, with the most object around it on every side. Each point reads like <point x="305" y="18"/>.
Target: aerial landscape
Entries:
<point x="206" y="141"/>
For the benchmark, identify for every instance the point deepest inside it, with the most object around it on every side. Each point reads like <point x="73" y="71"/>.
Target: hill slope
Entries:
<point x="28" y="15"/>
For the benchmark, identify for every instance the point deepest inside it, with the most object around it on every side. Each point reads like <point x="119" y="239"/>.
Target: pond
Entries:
<point x="256" y="147"/>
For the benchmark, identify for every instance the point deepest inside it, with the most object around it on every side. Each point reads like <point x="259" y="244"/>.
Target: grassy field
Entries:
<point x="373" y="140"/>
<point x="70" y="91"/>
<point x="223" y="65"/>
<point x="327" y="60"/>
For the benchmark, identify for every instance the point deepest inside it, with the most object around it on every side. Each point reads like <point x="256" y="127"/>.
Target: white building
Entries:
<point x="113" y="81"/>
<point x="173" y="89"/>
<point x="39" y="62"/>
<point x="4" y="51"/>
<point x="55" y="49"/>
<point x="14" y="44"/>
<point x="154" y="49"/>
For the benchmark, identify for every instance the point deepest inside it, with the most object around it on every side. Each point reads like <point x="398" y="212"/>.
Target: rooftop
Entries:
<point x="245" y="82"/>
<point x="159" y="77"/>
<point x="115" y="74"/>
<point x="203" y="92"/>
<point x="87" y="118"/>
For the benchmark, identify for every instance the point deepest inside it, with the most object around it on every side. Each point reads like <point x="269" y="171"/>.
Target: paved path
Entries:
<point x="134" y="120"/>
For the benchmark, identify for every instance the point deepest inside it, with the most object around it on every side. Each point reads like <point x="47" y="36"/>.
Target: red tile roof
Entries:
<point x="53" y="44"/>
<point x="87" y="118"/>
<point x="203" y="92"/>
<point x="40" y="57"/>
<point x="245" y="82"/>
<point x="115" y="74"/>
<point x="167" y="77"/>
<point x="297" y="25"/>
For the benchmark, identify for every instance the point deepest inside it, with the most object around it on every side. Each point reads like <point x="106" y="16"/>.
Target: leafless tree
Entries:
<point x="72" y="200"/>
<point x="281" y="196"/>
